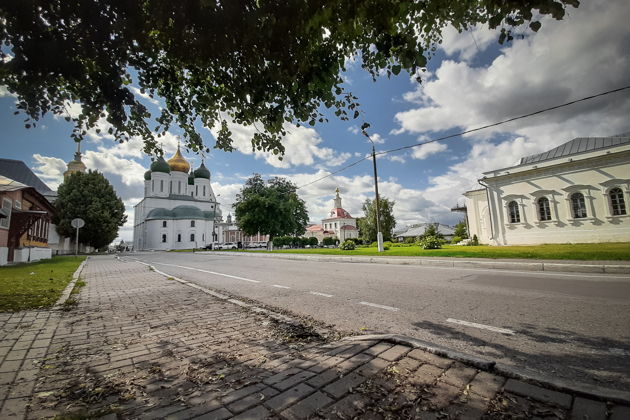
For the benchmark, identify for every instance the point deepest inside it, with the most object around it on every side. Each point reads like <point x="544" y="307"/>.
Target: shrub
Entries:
<point x="385" y="247"/>
<point x="410" y="240"/>
<point x="374" y="244"/>
<point x="329" y="241"/>
<point x="387" y="244"/>
<point x="347" y="245"/>
<point x="312" y="241"/>
<point x="456" y="239"/>
<point x="474" y="241"/>
<point x="431" y="242"/>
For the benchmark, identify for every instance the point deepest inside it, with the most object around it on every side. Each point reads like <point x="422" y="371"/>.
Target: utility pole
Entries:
<point x="379" y="234"/>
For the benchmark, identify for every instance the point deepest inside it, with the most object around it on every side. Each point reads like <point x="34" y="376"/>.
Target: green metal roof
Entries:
<point x="202" y="172"/>
<point x="160" y="165"/>
<point x="180" y="213"/>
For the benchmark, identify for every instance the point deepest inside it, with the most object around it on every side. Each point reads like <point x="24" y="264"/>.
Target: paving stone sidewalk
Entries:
<point x="140" y="345"/>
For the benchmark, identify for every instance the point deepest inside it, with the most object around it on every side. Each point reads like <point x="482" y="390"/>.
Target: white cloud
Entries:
<point x="396" y="158"/>
<point x="131" y="173"/>
<point x="49" y="169"/>
<point x="467" y="44"/>
<point x="145" y="95"/>
<point x="426" y="150"/>
<point x="584" y="54"/>
<point x="301" y="147"/>
<point x="376" y="138"/>
<point x="354" y="129"/>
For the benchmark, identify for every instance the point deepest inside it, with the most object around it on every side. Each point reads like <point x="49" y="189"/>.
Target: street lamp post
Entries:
<point x="379" y="234"/>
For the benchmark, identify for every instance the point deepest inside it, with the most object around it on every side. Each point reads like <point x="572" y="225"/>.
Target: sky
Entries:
<point x="471" y="81"/>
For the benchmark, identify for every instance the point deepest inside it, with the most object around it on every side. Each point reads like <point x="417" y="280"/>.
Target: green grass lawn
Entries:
<point x="602" y="251"/>
<point x="35" y="285"/>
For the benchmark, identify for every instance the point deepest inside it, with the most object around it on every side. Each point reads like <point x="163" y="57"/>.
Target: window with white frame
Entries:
<point x="578" y="206"/>
<point x="617" y="202"/>
<point x="513" y="213"/>
<point x="7" y="203"/>
<point x="544" y="211"/>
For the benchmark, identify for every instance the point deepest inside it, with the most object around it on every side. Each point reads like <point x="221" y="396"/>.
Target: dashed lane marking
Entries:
<point x="481" y="326"/>
<point x="321" y="294"/>
<point x="209" y="272"/>
<point x="279" y="286"/>
<point x="376" y="305"/>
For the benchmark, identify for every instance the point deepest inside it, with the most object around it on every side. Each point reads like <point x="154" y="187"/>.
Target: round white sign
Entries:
<point x="77" y="223"/>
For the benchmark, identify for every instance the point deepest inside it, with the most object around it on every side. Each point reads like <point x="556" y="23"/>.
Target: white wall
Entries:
<point x="593" y="176"/>
<point x="36" y="254"/>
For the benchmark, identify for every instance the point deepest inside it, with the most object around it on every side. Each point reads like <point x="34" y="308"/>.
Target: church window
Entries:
<point x="513" y="212"/>
<point x="192" y="223"/>
<point x="204" y="190"/>
<point x="179" y="187"/>
<point x="544" y="212"/>
<point x="617" y="202"/>
<point x="163" y="238"/>
<point x="164" y="223"/>
<point x="335" y="225"/>
<point x="153" y="185"/>
<point x="192" y="237"/>
<point x="203" y="237"/>
<point x="578" y="206"/>
<point x="179" y="237"/>
<point x="196" y="189"/>
<point x="161" y="185"/>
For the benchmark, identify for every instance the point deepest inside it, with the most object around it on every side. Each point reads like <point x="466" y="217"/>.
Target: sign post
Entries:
<point x="77" y="223"/>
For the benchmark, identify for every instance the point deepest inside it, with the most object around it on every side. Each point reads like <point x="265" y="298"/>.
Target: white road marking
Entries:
<point x="376" y="305"/>
<point x="481" y="326"/>
<point x="209" y="272"/>
<point x="321" y="294"/>
<point x="280" y="286"/>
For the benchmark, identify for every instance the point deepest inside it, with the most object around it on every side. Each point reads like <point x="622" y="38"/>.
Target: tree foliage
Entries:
<point x="91" y="197"/>
<point x="460" y="230"/>
<point x="258" y="62"/>
<point x="367" y="224"/>
<point x="272" y="208"/>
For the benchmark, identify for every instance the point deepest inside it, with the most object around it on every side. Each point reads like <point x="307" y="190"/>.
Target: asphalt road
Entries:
<point x="573" y="326"/>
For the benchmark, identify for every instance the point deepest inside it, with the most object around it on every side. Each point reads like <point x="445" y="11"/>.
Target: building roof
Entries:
<point x="339" y="213"/>
<point x="18" y="171"/>
<point x="418" y="230"/>
<point x="577" y="146"/>
<point x="179" y="213"/>
<point x="314" y="228"/>
<point x="8" y="184"/>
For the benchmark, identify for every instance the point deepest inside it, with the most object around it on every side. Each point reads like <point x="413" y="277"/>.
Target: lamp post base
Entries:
<point x="379" y="241"/>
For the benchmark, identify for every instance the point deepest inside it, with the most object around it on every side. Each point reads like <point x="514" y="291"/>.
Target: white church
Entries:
<point x="577" y="192"/>
<point x="179" y="209"/>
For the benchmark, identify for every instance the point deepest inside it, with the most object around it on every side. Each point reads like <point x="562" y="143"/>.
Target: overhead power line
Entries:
<point x="472" y="130"/>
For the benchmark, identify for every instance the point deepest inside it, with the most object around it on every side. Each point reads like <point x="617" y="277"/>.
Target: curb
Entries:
<point x="453" y="262"/>
<point x="66" y="292"/>
<point x="574" y="388"/>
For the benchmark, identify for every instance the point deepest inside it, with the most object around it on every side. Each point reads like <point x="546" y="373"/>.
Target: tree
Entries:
<point x="258" y="62"/>
<point x="272" y="208"/>
<point x="460" y="230"/>
<point x="91" y="197"/>
<point x="431" y="231"/>
<point x="367" y="224"/>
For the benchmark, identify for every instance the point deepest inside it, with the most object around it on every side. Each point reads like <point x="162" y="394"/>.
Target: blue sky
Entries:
<point x="470" y="81"/>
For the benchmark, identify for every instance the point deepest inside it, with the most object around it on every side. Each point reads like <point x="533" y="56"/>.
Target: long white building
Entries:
<point x="179" y="208"/>
<point x="577" y="192"/>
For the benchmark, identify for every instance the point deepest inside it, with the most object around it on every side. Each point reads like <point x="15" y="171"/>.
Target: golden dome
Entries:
<point x="178" y="163"/>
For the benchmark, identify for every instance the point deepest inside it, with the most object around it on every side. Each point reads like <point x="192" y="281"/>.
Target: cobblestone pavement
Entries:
<point x="140" y="345"/>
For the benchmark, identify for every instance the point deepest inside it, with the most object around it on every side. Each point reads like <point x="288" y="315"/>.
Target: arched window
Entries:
<point x="163" y="238"/>
<point x="192" y="237"/>
<point x="163" y="223"/>
<point x="515" y="216"/>
<point x="192" y="223"/>
<point x="544" y="212"/>
<point x="179" y="237"/>
<point x="578" y="206"/>
<point x="617" y="202"/>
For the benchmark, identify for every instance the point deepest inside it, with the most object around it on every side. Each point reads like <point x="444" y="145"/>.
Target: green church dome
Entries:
<point x="147" y="175"/>
<point x="191" y="179"/>
<point x="202" y="172"/>
<point x="160" y="213"/>
<point x="160" y="165"/>
<point x="187" y="212"/>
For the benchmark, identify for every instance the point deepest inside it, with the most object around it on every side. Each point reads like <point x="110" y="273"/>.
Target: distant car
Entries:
<point x="227" y="245"/>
